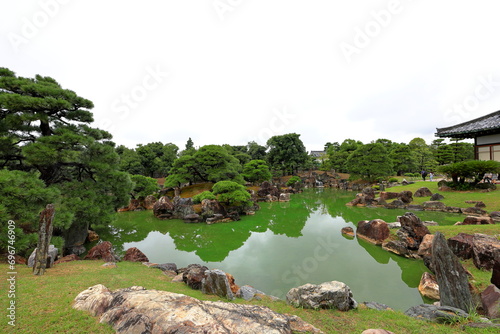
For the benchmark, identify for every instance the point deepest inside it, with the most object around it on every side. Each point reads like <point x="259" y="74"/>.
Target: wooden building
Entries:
<point x="484" y="130"/>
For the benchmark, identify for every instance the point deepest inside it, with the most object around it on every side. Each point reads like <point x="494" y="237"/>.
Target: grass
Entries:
<point x="44" y="302"/>
<point x="453" y="198"/>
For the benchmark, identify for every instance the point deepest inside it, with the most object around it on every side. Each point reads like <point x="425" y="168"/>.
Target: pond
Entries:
<point x="285" y="245"/>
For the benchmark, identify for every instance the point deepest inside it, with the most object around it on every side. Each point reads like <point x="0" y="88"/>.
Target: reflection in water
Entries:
<point x="284" y="245"/>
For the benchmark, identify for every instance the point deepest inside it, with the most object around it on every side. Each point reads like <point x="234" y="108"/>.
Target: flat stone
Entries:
<point x="434" y="313"/>
<point x="137" y="310"/>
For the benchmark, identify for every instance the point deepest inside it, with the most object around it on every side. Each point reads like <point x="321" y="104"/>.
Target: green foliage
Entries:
<point x="393" y="179"/>
<point x="338" y="154"/>
<point x="231" y="193"/>
<point x="256" y="151"/>
<point x="22" y="197"/>
<point x="287" y="153"/>
<point x="423" y="154"/>
<point x="293" y="180"/>
<point x="143" y="186"/>
<point x="403" y="159"/>
<point x="370" y="162"/>
<point x="44" y="129"/>
<point x="211" y="163"/>
<point x="472" y="169"/>
<point x="156" y="158"/>
<point x="204" y="195"/>
<point x="256" y="171"/>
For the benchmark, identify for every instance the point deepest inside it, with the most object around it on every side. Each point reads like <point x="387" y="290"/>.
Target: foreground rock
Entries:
<point x="450" y="275"/>
<point x="137" y="310"/>
<point x="328" y="295"/>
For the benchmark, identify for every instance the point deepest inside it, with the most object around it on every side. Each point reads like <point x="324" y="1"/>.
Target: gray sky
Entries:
<point x="231" y="71"/>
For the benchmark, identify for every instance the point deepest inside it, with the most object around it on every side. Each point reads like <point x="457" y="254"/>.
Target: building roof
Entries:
<point x="486" y="125"/>
<point x="317" y="154"/>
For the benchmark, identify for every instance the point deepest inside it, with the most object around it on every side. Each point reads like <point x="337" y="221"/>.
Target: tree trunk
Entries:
<point x="44" y="236"/>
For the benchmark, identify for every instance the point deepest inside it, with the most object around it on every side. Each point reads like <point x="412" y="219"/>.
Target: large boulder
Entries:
<point x="486" y="249"/>
<point x="137" y="310"/>
<point x="149" y="202"/>
<point x="428" y="286"/>
<point x="216" y="282"/>
<point x="328" y="295"/>
<point x="490" y="299"/>
<point x="267" y="188"/>
<point x="423" y="192"/>
<point x="425" y="248"/>
<point x="102" y="251"/>
<point x="400" y="248"/>
<point x="437" y="197"/>
<point x="495" y="215"/>
<point x="182" y="207"/>
<point x="248" y="292"/>
<point x="412" y="230"/>
<point x="374" y="231"/>
<point x="135" y="255"/>
<point x="212" y="207"/>
<point x="450" y="275"/>
<point x="474" y="211"/>
<point x="434" y="206"/>
<point x="441" y="314"/>
<point x="51" y="257"/>
<point x="163" y="208"/>
<point x="386" y="195"/>
<point x="461" y="245"/>
<point x="477" y="220"/>
<point x="495" y="274"/>
<point x="406" y="196"/>
<point x="193" y="275"/>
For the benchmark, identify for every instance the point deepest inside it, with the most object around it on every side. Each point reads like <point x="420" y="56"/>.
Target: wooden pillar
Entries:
<point x="44" y="236"/>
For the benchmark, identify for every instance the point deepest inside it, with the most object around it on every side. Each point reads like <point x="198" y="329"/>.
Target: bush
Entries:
<point x="204" y="195"/>
<point x="144" y="186"/>
<point x="293" y="180"/>
<point x="231" y="193"/>
<point x="393" y="179"/>
<point x="471" y="169"/>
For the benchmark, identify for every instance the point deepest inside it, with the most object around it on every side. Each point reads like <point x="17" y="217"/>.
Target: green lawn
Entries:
<point x="454" y="198"/>
<point x="44" y="303"/>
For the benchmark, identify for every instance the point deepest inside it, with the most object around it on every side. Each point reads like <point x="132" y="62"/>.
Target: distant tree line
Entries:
<point x="383" y="157"/>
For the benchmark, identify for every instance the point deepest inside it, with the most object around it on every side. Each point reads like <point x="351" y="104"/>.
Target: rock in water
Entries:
<point x="330" y="295"/>
<point x="374" y="231"/>
<point x="450" y="275"/>
<point x="137" y="310"/>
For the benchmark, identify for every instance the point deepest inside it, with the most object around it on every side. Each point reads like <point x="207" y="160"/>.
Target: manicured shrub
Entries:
<point x="204" y="195"/>
<point x="293" y="180"/>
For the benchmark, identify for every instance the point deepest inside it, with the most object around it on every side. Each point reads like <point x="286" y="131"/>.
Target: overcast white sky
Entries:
<point x="231" y="71"/>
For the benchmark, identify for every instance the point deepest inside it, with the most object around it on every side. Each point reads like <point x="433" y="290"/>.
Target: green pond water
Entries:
<point x="285" y="245"/>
